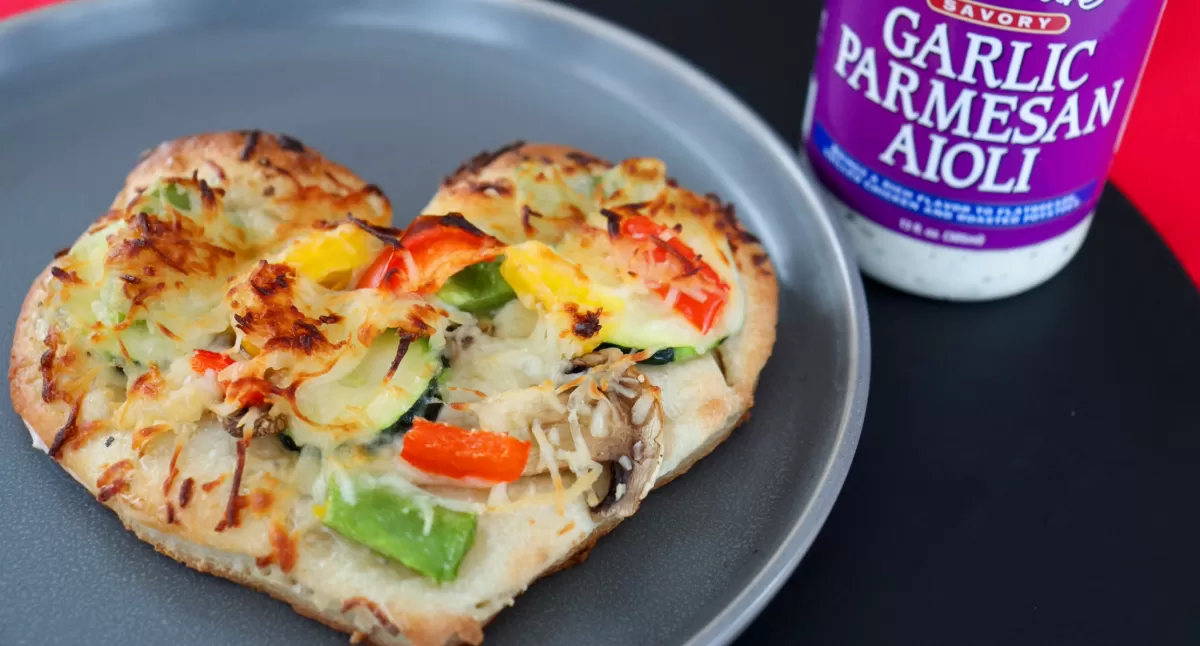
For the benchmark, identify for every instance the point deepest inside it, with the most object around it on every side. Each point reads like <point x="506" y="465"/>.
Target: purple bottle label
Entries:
<point x="972" y="125"/>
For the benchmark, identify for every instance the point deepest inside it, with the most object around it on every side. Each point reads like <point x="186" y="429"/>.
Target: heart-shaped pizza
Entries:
<point x="396" y="430"/>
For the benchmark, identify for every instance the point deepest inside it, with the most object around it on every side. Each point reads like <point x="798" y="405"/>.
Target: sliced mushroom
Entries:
<point x="259" y="421"/>
<point x="632" y="448"/>
<point x="611" y="406"/>
<point x="594" y="359"/>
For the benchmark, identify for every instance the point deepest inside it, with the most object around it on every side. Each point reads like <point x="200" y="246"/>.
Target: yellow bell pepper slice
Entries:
<point x="330" y="257"/>
<point x="540" y="276"/>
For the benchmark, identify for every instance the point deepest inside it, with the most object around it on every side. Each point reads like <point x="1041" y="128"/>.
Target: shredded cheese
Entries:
<point x="581" y="487"/>
<point x="38" y="443"/>
<point x="641" y="408"/>
<point x="546" y="457"/>
<point x="410" y="264"/>
<point x="692" y="292"/>
<point x="422" y="497"/>
<point x="425" y="502"/>
<point x="580" y="459"/>
<point x="496" y="365"/>
<point x="249" y="418"/>
<point x="426" y="508"/>
<point x="345" y="486"/>
<point x="574" y="383"/>
<point x="598" y="427"/>
<point x="498" y="496"/>
<point x="622" y="390"/>
<point x="672" y="296"/>
<point x="307" y="470"/>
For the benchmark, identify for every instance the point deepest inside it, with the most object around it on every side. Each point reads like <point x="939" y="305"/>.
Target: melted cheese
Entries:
<point x="563" y="258"/>
<point x="546" y="454"/>
<point x="581" y="487"/>
<point x="492" y="365"/>
<point x="310" y="341"/>
<point x="264" y="282"/>
<point x="646" y="319"/>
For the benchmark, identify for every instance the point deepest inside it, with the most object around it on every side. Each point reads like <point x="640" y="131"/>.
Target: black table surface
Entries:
<point x="1027" y="471"/>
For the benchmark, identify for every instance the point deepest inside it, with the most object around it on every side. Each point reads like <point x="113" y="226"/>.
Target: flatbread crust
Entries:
<point x="704" y="400"/>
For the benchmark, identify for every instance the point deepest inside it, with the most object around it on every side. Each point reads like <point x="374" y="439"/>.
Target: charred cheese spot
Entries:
<point x="114" y="480"/>
<point x="65" y="276"/>
<point x="586" y="324"/>
<point x="172" y="471"/>
<point x="148" y="385"/>
<point x="283" y="549"/>
<point x="207" y="487"/>
<point x="172" y="241"/>
<point x="46" y="366"/>
<point x="185" y="492"/>
<point x="472" y="166"/>
<point x="501" y="187"/>
<point x="260" y="501"/>
<point x="114" y="472"/>
<point x="266" y="312"/>
<point x="143" y="436"/>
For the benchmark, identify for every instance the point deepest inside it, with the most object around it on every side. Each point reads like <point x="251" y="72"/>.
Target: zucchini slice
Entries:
<point x="385" y="403"/>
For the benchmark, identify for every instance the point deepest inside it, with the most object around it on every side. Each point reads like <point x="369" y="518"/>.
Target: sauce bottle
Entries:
<point x="967" y="143"/>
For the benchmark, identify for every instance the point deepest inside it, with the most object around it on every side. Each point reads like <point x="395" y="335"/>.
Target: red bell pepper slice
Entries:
<point x="378" y="276"/>
<point x="453" y="452"/>
<point x="205" y="360"/>
<point x="640" y="227"/>
<point x="248" y="391"/>
<point x="437" y="247"/>
<point x="702" y="314"/>
<point x="674" y="254"/>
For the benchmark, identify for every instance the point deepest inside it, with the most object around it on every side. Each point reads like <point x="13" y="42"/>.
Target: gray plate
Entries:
<point x="401" y="92"/>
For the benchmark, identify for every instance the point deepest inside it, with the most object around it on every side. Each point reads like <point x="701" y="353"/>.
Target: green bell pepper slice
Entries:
<point x="479" y="288"/>
<point x="393" y="525"/>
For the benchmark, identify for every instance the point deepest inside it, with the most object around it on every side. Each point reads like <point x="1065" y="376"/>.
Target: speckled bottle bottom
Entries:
<point x="950" y="273"/>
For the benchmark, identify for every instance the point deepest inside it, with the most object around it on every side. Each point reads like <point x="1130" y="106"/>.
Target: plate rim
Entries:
<point x="749" y="602"/>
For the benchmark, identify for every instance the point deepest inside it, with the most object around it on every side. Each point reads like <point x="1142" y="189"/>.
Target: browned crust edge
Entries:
<point x="24" y="378"/>
<point x="237" y="155"/>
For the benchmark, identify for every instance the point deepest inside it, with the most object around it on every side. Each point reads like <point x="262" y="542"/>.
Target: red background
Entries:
<point x="1155" y="166"/>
